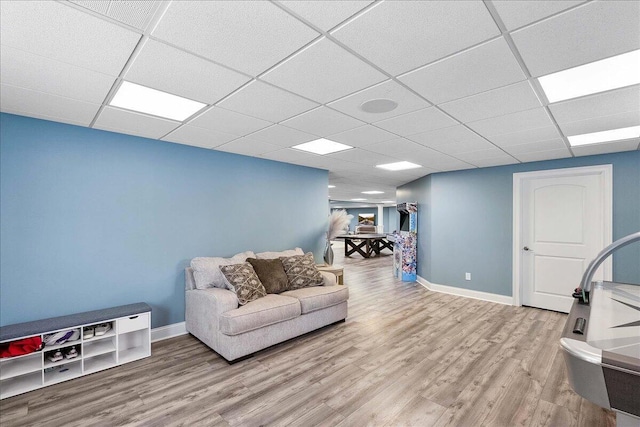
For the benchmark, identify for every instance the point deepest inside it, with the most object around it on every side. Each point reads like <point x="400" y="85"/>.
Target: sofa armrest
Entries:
<point x="219" y="300"/>
<point x="330" y="279"/>
<point x="203" y="309"/>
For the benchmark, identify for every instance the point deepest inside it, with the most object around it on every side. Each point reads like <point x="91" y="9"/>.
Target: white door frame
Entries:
<point x="519" y="179"/>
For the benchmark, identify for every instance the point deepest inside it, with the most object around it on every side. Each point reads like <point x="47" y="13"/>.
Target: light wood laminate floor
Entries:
<point x="404" y="357"/>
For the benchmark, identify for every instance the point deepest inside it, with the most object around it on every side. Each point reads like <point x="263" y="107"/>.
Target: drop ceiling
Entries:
<point x="275" y="74"/>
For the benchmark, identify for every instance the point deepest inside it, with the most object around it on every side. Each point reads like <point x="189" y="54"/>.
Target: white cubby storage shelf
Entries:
<point x="128" y="339"/>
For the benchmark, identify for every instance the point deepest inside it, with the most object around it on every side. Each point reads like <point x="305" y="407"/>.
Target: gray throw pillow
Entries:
<point x="271" y="274"/>
<point x="243" y="280"/>
<point x="301" y="271"/>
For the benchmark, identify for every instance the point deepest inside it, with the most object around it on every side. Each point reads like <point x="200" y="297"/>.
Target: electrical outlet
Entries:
<point x="467" y="276"/>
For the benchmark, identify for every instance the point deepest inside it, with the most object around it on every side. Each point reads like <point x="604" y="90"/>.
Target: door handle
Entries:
<point x="526" y="248"/>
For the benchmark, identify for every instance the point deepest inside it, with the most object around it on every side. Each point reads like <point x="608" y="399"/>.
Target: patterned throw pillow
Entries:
<point x="301" y="271"/>
<point x="243" y="280"/>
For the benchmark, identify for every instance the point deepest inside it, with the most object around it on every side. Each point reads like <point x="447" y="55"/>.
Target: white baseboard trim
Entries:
<point x="168" y="331"/>
<point x="484" y="296"/>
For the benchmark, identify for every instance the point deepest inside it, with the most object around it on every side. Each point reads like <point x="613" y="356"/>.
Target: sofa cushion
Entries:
<point x="206" y="270"/>
<point x="259" y="313"/>
<point x="301" y="271"/>
<point x="272" y="255"/>
<point x="243" y="280"/>
<point x="319" y="297"/>
<point x="271" y="274"/>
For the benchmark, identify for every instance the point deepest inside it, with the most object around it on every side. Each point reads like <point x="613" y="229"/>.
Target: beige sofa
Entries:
<point x="214" y="316"/>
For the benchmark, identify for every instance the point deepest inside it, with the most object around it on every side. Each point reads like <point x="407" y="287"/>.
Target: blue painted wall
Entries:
<point x="91" y="219"/>
<point x="465" y="221"/>
<point x="391" y="219"/>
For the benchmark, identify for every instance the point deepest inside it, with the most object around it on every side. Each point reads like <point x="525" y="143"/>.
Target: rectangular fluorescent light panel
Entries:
<point x="322" y="146"/>
<point x="398" y="166"/>
<point x="332" y="186"/>
<point x="373" y="192"/>
<point x="606" y="74"/>
<point x="142" y="99"/>
<point x="358" y="200"/>
<point x="605" y="136"/>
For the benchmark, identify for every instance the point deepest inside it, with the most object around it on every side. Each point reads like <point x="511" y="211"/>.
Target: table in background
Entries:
<point x="372" y="243"/>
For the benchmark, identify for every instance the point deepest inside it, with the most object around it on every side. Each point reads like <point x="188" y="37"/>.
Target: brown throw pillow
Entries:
<point x="271" y="274"/>
<point x="242" y="279"/>
<point x="302" y="271"/>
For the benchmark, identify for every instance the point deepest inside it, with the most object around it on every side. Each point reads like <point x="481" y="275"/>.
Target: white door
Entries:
<point x="565" y="223"/>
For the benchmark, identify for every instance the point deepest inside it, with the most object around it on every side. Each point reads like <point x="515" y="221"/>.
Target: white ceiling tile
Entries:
<point x="597" y="105"/>
<point x="137" y="13"/>
<point x="520" y="121"/>
<point x="407" y="101"/>
<point x="362" y="136"/>
<point x="537" y="156"/>
<point x="500" y="161"/>
<point x="416" y="122"/>
<point x="609" y="147"/>
<point x="248" y="36"/>
<point x="532" y="147"/>
<point x="323" y="72"/>
<point x="457" y="147"/>
<point x="339" y="165"/>
<point x="66" y="34"/>
<point x="264" y="101"/>
<point x="488" y="66"/>
<point x="198" y="137"/>
<point x="34" y="72"/>
<point x="597" y="124"/>
<point x="100" y="6"/>
<point x="448" y="135"/>
<point x="456" y="167"/>
<point x="46" y="106"/>
<point x="289" y="155"/>
<point x="325" y="162"/>
<point x="116" y="120"/>
<point x="247" y="147"/>
<point x="400" y="36"/>
<point x="515" y="14"/>
<point x="585" y="34"/>
<point x="363" y="156"/>
<point x="525" y="136"/>
<point x="442" y="162"/>
<point x="171" y="70"/>
<point x="412" y="174"/>
<point x="226" y="121"/>
<point x="325" y="15"/>
<point x="396" y="147"/>
<point x="282" y="136"/>
<point x="497" y="102"/>
<point x="490" y="153"/>
<point x="323" y="122"/>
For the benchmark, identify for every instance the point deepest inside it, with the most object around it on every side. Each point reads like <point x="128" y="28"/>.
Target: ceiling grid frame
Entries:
<point x="161" y="8"/>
